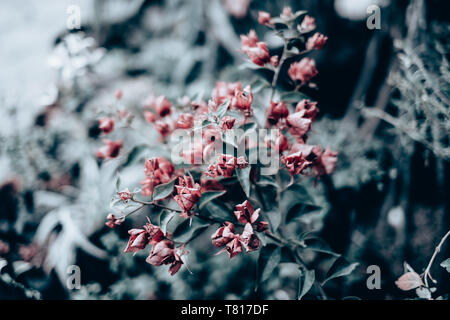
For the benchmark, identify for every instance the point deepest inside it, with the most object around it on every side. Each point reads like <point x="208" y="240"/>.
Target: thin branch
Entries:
<point x="436" y="251"/>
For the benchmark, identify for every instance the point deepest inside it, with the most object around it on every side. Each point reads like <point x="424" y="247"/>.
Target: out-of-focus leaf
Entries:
<point x="258" y="85"/>
<point x="269" y="257"/>
<point x="318" y="245"/>
<point x="308" y="277"/>
<point x="340" y="268"/>
<point x="446" y="264"/>
<point x="217" y="210"/>
<point x="293" y="96"/>
<point x="209" y="196"/>
<point x="135" y="154"/>
<point x="274" y="218"/>
<point x="243" y="176"/>
<point x="222" y="109"/>
<point x="163" y="190"/>
<point x="423" y="293"/>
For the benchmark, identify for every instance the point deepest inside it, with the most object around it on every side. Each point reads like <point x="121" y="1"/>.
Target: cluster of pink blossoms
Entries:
<point x="225" y="236"/>
<point x="289" y="141"/>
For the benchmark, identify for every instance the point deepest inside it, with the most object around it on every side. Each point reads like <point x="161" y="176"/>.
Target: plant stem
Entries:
<point x="436" y="251"/>
<point x="318" y="286"/>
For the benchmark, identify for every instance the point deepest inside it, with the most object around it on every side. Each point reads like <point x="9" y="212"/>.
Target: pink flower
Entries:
<point x="125" y="195"/>
<point x="149" y="116"/>
<point x="185" y="121"/>
<point x="154" y="233"/>
<point x="274" y="61"/>
<point x="163" y="252"/>
<point x="316" y="42"/>
<point x="308" y="24"/>
<point x="106" y="125"/>
<point x="243" y="99"/>
<point x="298" y="124"/>
<point x="276" y="111"/>
<point x="249" y="40"/>
<point x="249" y="239"/>
<point x="258" y="54"/>
<point x="113" y="221"/>
<point x="278" y="142"/>
<point x="245" y="212"/>
<point x="264" y="18"/>
<point x="326" y="163"/>
<point x="227" y="122"/>
<point x="4" y="248"/>
<point x="188" y="194"/>
<point x="225" y="166"/>
<point x="309" y="107"/>
<point x="408" y="281"/>
<point x="157" y="170"/>
<point x="262" y="226"/>
<point x="304" y="70"/>
<point x="110" y="150"/>
<point x="162" y="106"/>
<point x="119" y="94"/>
<point x="287" y="13"/>
<point x="233" y="248"/>
<point x="224" y="91"/>
<point x="303" y="156"/>
<point x="138" y="240"/>
<point x="223" y="235"/>
<point x="237" y="8"/>
<point x="163" y="128"/>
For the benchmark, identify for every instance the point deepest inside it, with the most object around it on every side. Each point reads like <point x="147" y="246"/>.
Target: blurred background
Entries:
<point x="384" y="101"/>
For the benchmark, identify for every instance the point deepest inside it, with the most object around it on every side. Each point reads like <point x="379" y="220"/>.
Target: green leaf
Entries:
<point x="217" y="210"/>
<point x="274" y="219"/>
<point x="135" y="154"/>
<point x="243" y="176"/>
<point x="165" y="217"/>
<point x="208" y="196"/>
<point x="446" y="264"/>
<point x="265" y="181"/>
<point x="222" y="109"/>
<point x="293" y="96"/>
<point x="163" y="190"/>
<point x="118" y="184"/>
<point x="318" y="245"/>
<point x="296" y="201"/>
<point x="340" y="268"/>
<point x="187" y="229"/>
<point x="259" y="84"/>
<point x="309" y="277"/>
<point x="268" y="260"/>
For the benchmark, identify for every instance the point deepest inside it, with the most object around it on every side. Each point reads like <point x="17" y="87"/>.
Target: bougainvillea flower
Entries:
<point x="155" y="233"/>
<point x="308" y="24"/>
<point x="243" y="99"/>
<point x="185" y="121"/>
<point x="149" y="116"/>
<point x="258" y="54"/>
<point x="223" y="235"/>
<point x="309" y="108"/>
<point x="233" y="248"/>
<point x="304" y="70"/>
<point x="227" y="122"/>
<point x="106" y="125"/>
<point x="264" y="18"/>
<point x="188" y="194"/>
<point x="113" y="221"/>
<point x="262" y="226"/>
<point x="274" y="61"/>
<point x="110" y="150"/>
<point x="245" y="213"/>
<point x="326" y="162"/>
<point x="249" y="239"/>
<point x="276" y="111"/>
<point x="138" y="240"/>
<point x="162" y="253"/>
<point x="298" y="124"/>
<point x="125" y="195"/>
<point x="249" y="40"/>
<point x="237" y="8"/>
<point x="224" y="90"/>
<point x="316" y="42"/>
<point x="277" y="141"/>
<point x="163" y="128"/>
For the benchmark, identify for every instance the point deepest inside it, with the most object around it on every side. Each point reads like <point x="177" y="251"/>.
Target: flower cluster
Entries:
<point x="226" y="236"/>
<point x="163" y="249"/>
<point x="211" y="123"/>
